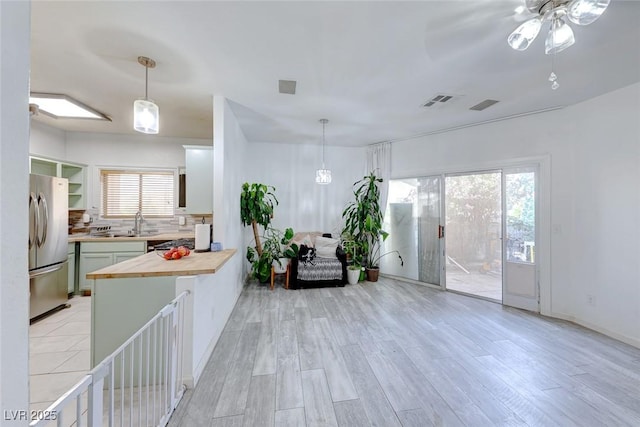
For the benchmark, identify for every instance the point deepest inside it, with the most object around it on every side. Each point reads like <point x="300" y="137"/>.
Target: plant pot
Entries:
<point x="363" y="275"/>
<point x="372" y="274"/>
<point x="353" y="275"/>
<point x="282" y="266"/>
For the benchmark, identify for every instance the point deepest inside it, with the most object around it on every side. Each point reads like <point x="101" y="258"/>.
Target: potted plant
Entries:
<point x="353" y="273"/>
<point x="256" y="208"/>
<point x="354" y="258"/>
<point x="363" y="220"/>
<point x="276" y="251"/>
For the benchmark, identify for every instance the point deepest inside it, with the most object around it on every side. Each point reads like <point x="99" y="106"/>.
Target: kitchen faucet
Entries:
<point x="137" y="223"/>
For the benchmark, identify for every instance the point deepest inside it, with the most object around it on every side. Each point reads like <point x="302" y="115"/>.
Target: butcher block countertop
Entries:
<point x="152" y="264"/>
<point x="144" y="238"/>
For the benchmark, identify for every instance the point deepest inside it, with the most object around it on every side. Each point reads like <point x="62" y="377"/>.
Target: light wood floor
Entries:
<point x="392" y="353"/>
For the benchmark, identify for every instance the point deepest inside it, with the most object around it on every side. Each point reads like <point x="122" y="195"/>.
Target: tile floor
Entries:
<point x="59" y="348"/>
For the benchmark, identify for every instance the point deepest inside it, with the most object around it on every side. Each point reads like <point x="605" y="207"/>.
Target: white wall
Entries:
<point x="102" y="149"/>
<point x="47" y="141"/>
<point x="229" y="153"/>
<point x="594" y="151"/>
<point x="14" y="186"/>
<point x="291" y="169"/>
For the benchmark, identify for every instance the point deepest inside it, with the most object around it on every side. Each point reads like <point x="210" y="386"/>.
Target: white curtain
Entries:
<point x="379" y="162"/>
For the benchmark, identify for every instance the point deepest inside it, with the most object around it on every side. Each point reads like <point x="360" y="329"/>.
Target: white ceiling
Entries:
<point x="366" y="66"/>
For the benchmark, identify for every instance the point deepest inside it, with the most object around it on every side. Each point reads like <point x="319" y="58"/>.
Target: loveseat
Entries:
<point x="321" y="262"/>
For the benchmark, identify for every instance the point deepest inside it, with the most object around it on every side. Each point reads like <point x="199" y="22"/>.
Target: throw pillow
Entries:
<point x="306" y="254"/>
<point x="302" y="239"/>
<point x="326" y="247"/>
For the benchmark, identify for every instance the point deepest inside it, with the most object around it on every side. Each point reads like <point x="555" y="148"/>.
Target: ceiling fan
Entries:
<point x="554" y="12"/>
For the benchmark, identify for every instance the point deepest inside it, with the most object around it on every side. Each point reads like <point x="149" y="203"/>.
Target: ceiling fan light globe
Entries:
<point x="559" y="38"/>
<point x="522" y="37"/>
<point x="584" y="12"/>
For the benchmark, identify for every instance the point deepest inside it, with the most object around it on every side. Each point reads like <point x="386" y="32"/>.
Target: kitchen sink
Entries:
<point x="143" y="234"/>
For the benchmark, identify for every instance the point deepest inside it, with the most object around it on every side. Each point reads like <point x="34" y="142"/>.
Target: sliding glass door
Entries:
<point x="464" y="250"/>
<point x="473" y="234"/>
<point x="413" y="222"/>
<point x="520" y="202"/>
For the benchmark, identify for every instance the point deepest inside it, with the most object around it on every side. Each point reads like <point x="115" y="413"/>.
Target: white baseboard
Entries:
<point x="635" y="342"/>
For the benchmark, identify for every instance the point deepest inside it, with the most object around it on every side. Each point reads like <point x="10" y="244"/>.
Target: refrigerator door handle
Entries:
<point x="46" y="270"/>
<point x="33" y="225"/>
<point x="45" y="209"/>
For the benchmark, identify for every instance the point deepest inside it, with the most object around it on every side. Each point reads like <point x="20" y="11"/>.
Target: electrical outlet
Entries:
<point x="591" y="300"/>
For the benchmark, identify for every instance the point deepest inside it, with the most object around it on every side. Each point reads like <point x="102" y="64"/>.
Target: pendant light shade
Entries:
<point x="146" y="114"/>
<point x="323" y="176"/>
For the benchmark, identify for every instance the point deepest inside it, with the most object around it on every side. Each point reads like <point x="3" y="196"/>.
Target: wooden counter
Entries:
<point x="153" y="265"/>
<point x="160" y="236"/>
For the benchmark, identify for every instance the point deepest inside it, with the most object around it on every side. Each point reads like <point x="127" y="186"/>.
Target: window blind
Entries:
<point x="126" y="192"/>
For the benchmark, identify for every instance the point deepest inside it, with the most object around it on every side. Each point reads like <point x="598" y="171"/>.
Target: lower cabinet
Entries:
<point x="97" y="255"/>
<point x="71" y="259"/>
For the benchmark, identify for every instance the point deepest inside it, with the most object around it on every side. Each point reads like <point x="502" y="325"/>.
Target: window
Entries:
<point x="126" y="192"/>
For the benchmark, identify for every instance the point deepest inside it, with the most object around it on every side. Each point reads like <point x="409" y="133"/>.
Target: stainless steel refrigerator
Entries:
<point x="48" y="237"/>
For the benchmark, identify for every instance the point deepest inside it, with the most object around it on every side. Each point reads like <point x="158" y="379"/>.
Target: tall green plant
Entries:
<point x="363" y="220"/>
<point x="256" y="208"/>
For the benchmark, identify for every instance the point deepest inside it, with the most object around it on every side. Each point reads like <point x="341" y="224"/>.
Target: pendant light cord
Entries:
<point x="146" y="82"/>
<point x="323" y="145"/>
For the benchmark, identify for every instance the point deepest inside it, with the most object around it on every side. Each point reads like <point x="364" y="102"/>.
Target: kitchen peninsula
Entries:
<point x="126" y="295"/>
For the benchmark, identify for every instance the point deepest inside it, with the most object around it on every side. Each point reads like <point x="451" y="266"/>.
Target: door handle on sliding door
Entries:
<point x="440" y="231"/>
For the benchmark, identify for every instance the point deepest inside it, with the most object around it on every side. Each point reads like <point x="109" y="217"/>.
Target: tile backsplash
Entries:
<point x="159" y="225"/>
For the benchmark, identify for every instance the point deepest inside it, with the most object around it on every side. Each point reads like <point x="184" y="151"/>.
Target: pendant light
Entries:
<point x="323" y="176"/>
<point x="146" y="114"/>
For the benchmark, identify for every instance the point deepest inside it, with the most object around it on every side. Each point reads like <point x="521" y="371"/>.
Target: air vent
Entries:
<point x="484" y="105"/>
<point x="438" y="100"/>
<point x="287" y="86"/>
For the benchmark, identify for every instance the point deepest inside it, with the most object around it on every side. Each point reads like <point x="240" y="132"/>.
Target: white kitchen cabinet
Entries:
<point x="74" y="172"/>
<point x="199" y="179"/>
<point x="97" y="255"/>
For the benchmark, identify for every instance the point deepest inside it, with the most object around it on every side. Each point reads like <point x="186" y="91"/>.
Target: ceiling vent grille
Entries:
<point x="287" y="86"/>
<point x="439" y="100"/>
<point x="484" y="104"/>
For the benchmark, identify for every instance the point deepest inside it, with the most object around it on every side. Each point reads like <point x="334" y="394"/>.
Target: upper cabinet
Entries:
<point x="199" y="179"/>
<point x="74" y="172"/>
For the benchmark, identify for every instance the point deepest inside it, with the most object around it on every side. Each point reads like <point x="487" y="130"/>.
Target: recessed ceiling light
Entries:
<point x="61" y="106"/>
